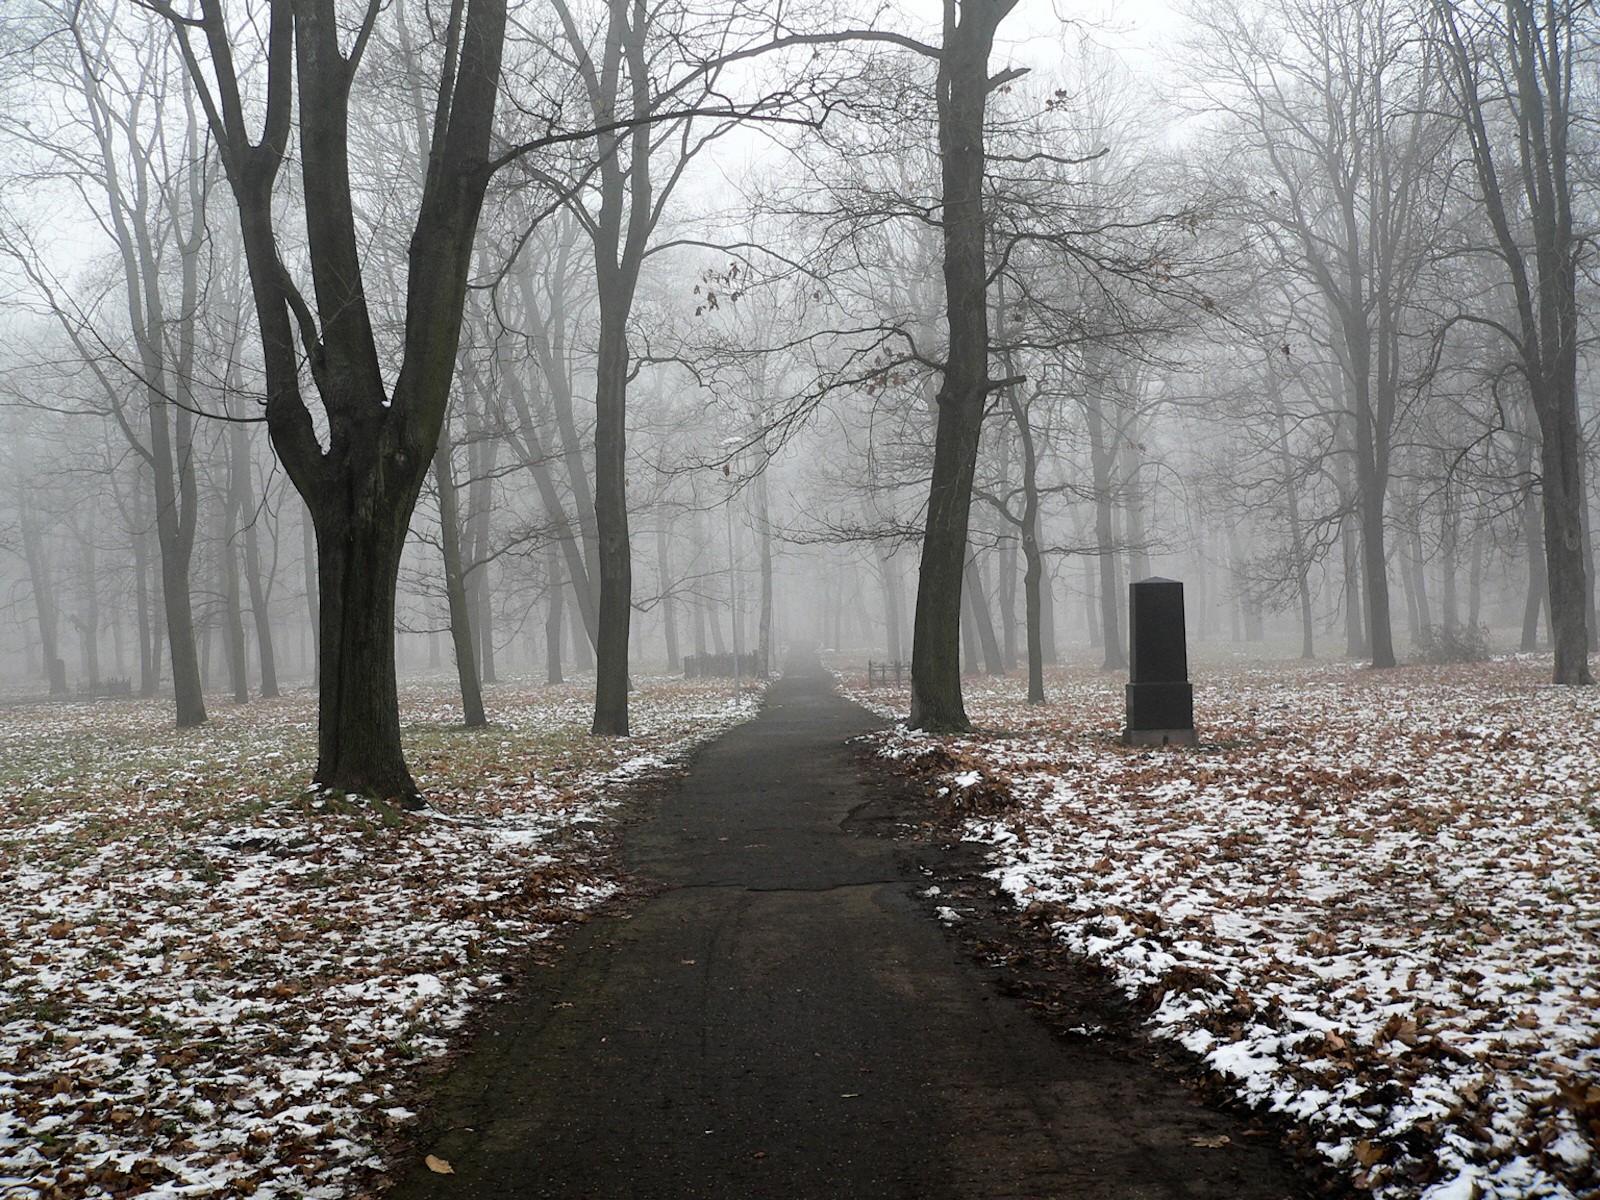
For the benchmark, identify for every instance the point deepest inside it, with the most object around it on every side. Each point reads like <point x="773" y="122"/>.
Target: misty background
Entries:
<point x="1257" y="322"/>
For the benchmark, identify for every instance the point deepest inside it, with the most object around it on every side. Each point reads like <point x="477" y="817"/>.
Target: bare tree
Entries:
<point x="963" y="88"/>
<point x="1512" y="79"/>
<point x="1333" y="108"/>
<point x="362" y="487"/>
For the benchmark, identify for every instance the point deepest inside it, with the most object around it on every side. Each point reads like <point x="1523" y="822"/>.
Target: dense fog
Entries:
<point x="1290" y="304"/>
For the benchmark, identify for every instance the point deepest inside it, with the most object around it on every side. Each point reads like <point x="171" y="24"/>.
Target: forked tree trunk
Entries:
<point x="362" y="478"/>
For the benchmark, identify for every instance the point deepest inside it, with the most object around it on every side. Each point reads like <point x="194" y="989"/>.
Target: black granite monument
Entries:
<point x="1160" y="696"/>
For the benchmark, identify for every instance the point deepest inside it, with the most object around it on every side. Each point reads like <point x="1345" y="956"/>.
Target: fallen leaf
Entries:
<point x="438" y="1166"/>
<point x="1210" y="1143"/>
<point x="1367" y="1154"/>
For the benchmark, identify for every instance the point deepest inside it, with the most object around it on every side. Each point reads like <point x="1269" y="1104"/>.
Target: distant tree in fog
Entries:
<point x="1334" y="146"/>
<point x="1514" y="70"/>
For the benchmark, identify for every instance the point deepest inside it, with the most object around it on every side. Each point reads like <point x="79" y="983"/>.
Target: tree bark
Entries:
<point x="259" y="588"/>
<point x="962" y="93"/>
<point x="455" y="587"/>
<point x="983" y="619"/>
<point x="669" y="603"/>
<point x="149" y="662"/>
<point x="555" y="592"/>
<point x="1297" y="544"/>
<point x="764" y="549"/>
<point x="227" y="553"/>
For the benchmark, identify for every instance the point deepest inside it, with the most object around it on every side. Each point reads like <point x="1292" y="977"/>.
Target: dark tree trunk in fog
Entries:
<point x="241" y="470"/>
<point x="622" y="81"/>
<point x="1047" y="615"/>
<point x="482" y="455"/>
<point x="1102" y="466"/>
<point x="1297" y="541"/>
<point x="362" y="490"/>
<point x="764" y="548"/>
<point x="983" y="620"/>
<point x="41" y="576"/>
<point x="1537" y="592"/>
<point x="455" y="586"/>
<point x="1009" y="579"/>
<point x="582" y="647"/>
<point x="227" y="552"/>
<point x="1449" y="539"/>
<point x="1091" y="602"/>
<point x="88" y="619"/>
<point x="149" y="661"/>
<point x="1026" y="527"/>
<point x="308" y="560"/>
<point x="615" y="609"/>
<point x="555" y="591"/>
<point x="963" y="89"/>
<point x="669" y="603"/>
<point x="893" y="605"/>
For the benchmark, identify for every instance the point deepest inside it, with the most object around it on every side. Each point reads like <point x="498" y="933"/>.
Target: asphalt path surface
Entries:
<point x="782" y="1018"/>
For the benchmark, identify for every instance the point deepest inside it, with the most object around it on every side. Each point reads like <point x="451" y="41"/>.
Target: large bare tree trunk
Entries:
<point x="963" y="90"/>
<point x="362" y="489"/>
<point x="615" y="609"/>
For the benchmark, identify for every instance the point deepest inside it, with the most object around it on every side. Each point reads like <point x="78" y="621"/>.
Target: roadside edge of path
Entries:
<point x="528" y="974"/>
<point x="1075" y="999"/>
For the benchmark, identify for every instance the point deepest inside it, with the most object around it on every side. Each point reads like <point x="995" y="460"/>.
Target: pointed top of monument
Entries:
<point x="1157" y="579"/>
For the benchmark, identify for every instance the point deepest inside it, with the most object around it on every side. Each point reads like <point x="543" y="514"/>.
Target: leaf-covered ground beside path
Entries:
<point x="1369" y="901"/>
<point x="212" y="983"/>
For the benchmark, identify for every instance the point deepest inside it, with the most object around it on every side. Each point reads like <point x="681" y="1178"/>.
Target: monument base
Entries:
<point x="1160" y="737"/>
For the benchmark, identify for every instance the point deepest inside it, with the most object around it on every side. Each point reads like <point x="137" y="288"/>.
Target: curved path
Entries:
<point x="783" y="1021"/>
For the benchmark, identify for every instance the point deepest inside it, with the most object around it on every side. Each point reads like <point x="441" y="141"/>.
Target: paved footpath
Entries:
<point x="782" y="1021"/>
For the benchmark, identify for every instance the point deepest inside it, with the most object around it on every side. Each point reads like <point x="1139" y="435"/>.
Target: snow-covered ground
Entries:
<point x="1369" y="900"/>
<point x="214" y="983"/>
